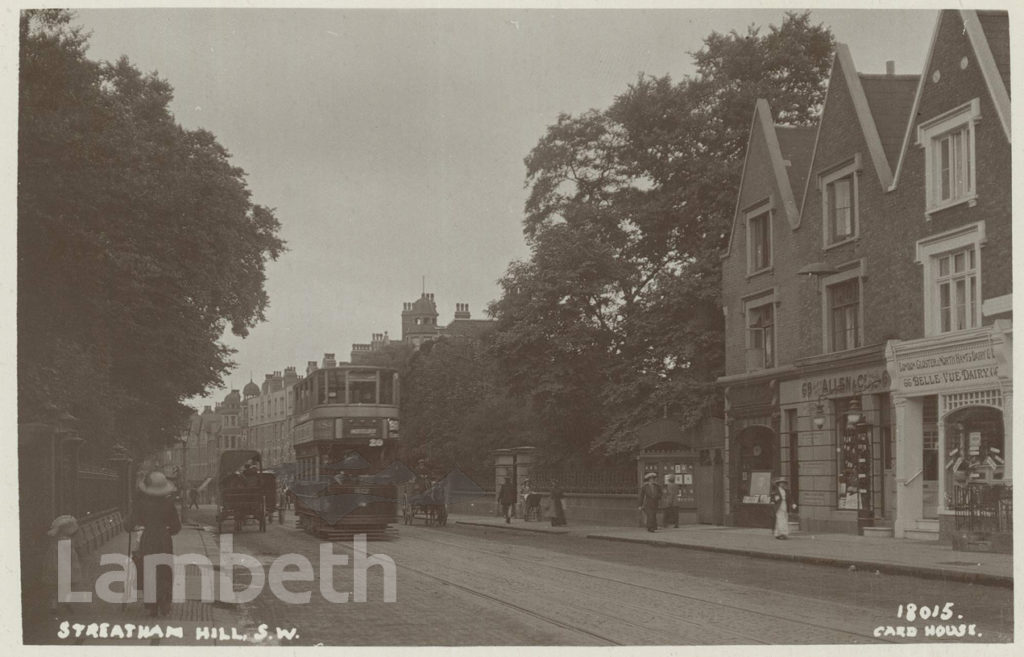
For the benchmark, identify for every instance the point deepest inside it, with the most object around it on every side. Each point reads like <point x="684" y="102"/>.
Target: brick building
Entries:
<point x="419" y="321"/>
<point x="951" y="357"/>
<point x="268" y="416"/>
<point x="855" y="298"/>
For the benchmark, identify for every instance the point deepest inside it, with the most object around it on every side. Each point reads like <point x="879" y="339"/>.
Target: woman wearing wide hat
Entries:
<point x="155" y="512"/>
<point x="780" y="498"/>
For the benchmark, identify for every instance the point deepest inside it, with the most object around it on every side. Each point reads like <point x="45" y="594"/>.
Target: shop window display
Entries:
<point x="975" y="449"/>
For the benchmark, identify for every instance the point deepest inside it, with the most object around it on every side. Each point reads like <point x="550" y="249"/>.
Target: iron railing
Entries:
<point x="983" y="508"/>
<point x="613" y="481"/>
<point x="99" y="489"/>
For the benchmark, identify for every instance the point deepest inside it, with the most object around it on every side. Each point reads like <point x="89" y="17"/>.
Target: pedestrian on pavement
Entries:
<point x="507" y="499"/>
<point x="556" y="504"/>
<point x="650" y="495"/>
<point x="63" y="528"/>
<point x="524" y="491"/>
<point x="154" y="511"/>
<point x="780" y="498"/>
<point x="669" y="504"/>
<point x="193" y="498"/>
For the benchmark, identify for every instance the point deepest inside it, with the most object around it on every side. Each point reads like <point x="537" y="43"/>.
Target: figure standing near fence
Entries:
<point x="63" y="528"/>
<point x="507" y="499"/>
<point x="650" y="496"/>
<point x="524" y="491"/>
<point x="558" y="520"/>
<point x="670" y="503"/>
<point x="154" y="511"/>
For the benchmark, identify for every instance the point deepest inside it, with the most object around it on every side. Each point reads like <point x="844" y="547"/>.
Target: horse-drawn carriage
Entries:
<point x="244" y="491"/>
<point x="426" y="500"/>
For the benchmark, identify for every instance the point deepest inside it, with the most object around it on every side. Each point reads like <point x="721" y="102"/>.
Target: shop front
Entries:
<point x="836" y="443"/>
<point x="953" y="401"/>
<point x="752" y="452"/>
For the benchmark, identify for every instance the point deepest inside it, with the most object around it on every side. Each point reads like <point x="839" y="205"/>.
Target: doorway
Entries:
<point x="757" y="450"/>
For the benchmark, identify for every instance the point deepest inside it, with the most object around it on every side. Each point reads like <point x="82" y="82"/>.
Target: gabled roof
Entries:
<point x="797" y="146"/>
<point x="890" y="98"/>
<point x="993" y="61"/>
<point x="996" y="26"/>
<point x="761" y="123"/>
<point x="864" y="116"/>
<point x="844" y="70"/>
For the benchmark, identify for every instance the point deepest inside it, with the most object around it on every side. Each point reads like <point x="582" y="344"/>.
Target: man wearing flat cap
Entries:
<point x="650" y="495"/>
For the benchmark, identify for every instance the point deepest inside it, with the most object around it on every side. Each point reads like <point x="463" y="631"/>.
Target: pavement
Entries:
<point x="928" y="559"/>
<point x="201" y="622"/>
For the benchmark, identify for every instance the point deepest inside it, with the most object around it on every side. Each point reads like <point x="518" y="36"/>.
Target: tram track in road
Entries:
<point x="703" y="600"/>
<point x="597" y="617"/>
<point x="547" y="618"/>
<point x="257" y="546"/>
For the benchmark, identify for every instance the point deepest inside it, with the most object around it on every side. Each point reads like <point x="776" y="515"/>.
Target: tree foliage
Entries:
<point x="138" y="243"/>
<point x="615" y="318"/>
<point x="455" y="412"/>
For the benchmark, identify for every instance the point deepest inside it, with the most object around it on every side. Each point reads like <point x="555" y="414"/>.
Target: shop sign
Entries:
<point x="947" y="370"/>
<point x="750" y="395"/>
<point x="856" y="383"/>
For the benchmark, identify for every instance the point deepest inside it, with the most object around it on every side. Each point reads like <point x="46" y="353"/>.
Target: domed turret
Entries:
<point x="251" y="389"/>
<point x="419" y="319"/>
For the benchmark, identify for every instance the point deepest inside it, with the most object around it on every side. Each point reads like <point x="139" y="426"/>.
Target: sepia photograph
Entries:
<point x="552" y="326"/>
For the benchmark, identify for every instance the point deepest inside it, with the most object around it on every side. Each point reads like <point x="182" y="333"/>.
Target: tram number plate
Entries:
<point x="376" y="442"/>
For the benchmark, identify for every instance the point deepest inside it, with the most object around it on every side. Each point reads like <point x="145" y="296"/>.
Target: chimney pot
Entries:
<point x="890" y="67"/>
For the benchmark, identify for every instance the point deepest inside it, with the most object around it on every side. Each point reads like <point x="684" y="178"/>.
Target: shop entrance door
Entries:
<point x="757" y="454"/>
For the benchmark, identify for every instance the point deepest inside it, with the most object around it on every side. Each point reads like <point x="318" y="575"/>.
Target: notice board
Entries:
<point x="760" y="483"/>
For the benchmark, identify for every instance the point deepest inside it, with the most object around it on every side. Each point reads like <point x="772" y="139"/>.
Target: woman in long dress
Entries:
<point x="780" y="498"/>
<point x="154" y="511"/>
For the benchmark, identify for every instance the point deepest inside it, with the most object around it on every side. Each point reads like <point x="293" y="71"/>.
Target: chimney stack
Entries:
<point x="310" y="367"/>
<point x="890" y="67"/>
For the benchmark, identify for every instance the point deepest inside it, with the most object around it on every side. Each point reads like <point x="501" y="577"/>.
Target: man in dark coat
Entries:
<point x="507" y="498"/>
<point x="650" y="495"/>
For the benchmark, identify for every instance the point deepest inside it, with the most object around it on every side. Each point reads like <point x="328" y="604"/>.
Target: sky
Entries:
<point x="391" y="142"/>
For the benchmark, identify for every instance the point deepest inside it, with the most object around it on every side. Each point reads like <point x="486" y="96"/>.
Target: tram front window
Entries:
<point x="363" y="392"/>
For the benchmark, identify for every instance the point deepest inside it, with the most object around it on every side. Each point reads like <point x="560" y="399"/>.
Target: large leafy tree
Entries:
<point x="138" y="244"/>
<point x="615" y="318"/>
<point x="455" y="411"/>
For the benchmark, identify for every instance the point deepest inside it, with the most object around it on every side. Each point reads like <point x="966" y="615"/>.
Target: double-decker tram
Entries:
<point x="346" y="440"/>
